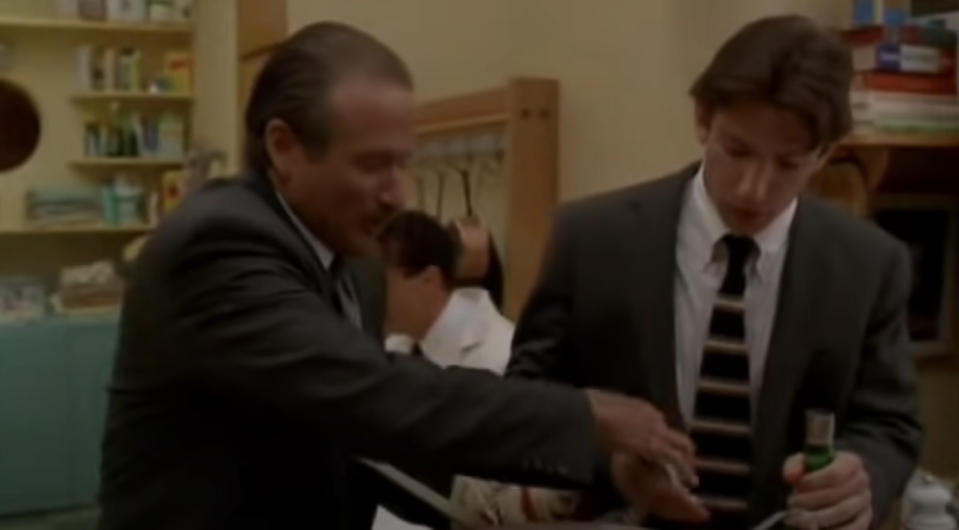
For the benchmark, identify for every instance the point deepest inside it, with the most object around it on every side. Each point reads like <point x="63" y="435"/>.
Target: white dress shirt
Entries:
<point x="469" y="332"/>
<point x="701" y="267"/>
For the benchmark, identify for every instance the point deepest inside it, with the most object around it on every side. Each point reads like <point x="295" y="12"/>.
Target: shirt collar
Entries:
<point x="457" y="330"/>
<point x="706" y="221"/>
<point x="322" y="251"/>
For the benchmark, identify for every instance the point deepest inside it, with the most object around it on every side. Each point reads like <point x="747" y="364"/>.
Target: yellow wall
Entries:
<point x="215" y="114"/>
<point x="624" y="65"/>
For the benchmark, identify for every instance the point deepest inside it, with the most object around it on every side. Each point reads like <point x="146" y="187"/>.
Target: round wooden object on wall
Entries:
<point x="19" y="126"/>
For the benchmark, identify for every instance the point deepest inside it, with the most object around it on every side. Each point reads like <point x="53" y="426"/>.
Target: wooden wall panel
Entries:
<point x="260" y="24"/>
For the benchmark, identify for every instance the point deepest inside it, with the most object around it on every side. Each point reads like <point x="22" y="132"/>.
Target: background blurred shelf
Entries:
<point x="117" y="163"/>
<point x="79" y="229"/>
<point x="132" y="97"/>
<point x="92" y="26"/>
<point x="932" y="141"/>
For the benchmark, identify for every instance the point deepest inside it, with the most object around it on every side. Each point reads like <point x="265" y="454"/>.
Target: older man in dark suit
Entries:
<point x="735" y="303"/>
<point x="250" y="374"/>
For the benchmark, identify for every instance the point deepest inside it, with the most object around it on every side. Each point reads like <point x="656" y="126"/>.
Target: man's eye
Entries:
<point x="375" y="163"/>
<point x="736" y="152"/>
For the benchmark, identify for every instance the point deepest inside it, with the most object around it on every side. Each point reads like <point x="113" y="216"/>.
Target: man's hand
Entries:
<point x="837" y="497"/>
<point x="651" y="488"/>
<point x="635" y="428"/>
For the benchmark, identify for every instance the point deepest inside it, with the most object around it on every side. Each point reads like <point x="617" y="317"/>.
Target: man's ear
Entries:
<point x="432" y="275"/>
<point x="281" y="146"/>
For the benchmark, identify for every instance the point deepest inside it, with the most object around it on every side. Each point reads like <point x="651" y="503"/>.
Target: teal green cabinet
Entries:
<point x="53" y="377"/>
<point x="90" y="353"/>
<point x="34" y="418"/>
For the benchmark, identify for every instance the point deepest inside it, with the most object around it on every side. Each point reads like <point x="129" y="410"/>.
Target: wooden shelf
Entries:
<point x="77" y="229"/>
<point x="134" y="97"/>
<point x="932" y="141"/>
<point x="94" y="26"/>
<point x="113" y="163"/>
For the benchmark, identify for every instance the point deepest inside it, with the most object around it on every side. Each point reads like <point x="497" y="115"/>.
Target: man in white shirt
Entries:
<point x="451" y="326"/>
<point x="429" y="315"/>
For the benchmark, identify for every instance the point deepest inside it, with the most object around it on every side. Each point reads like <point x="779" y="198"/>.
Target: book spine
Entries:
<point x="891" y="126"/>
<point x="866" y="97"/>
<point x="912" y="84"/>
<point x="917" y="35"/>
<point x="931" y="114"/>
<point x="905" y="58"/>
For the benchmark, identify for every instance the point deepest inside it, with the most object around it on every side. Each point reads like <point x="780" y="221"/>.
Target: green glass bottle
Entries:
<point x="819" y="450"/>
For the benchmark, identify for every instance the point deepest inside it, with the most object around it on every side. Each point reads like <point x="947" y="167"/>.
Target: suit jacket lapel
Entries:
<point x="369" y="283"/>
<point x="652" y="271"/>
<point x="789" y="349"/>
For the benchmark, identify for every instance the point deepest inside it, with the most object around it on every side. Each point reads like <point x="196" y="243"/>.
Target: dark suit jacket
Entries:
<point x="240" y="395"/>
<point x="602" y="315"/>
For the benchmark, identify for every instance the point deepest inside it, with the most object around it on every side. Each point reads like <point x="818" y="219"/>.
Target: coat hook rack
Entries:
<point x="508" y="135"/>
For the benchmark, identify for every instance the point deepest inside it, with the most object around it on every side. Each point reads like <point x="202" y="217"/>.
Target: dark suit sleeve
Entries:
<point x="882" y="422"/>
<point x="544" y="341"/>
<point x="258" y="332"/>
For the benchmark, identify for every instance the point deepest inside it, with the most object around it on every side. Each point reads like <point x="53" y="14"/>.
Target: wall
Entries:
<point x="460" y="51"/>
<point x="618" y="75"/>
<point x="214" y="117"/>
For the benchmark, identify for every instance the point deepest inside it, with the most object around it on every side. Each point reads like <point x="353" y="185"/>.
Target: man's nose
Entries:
<point x="754" y="184"/>
<point x="393" y="194"/>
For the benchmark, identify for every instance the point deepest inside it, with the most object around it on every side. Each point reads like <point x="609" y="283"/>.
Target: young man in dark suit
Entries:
<point x="736" y="303"/>
<point x="250" y="374"/>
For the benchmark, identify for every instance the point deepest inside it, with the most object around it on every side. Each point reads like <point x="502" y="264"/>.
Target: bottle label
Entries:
<point x="820" y="428"/>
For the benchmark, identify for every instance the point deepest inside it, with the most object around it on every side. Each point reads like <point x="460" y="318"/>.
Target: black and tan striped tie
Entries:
<point x="721" y="424"/>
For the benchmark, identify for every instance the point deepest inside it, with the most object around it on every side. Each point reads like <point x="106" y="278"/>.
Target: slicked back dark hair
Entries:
<point x="298" y="76"/>
<point x="414" y="241"/>
<point x="788" y="60"/>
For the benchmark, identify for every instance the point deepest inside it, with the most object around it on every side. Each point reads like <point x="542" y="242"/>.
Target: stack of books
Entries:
<point x="49" y="207"/>
<point x="906" y="81"/>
